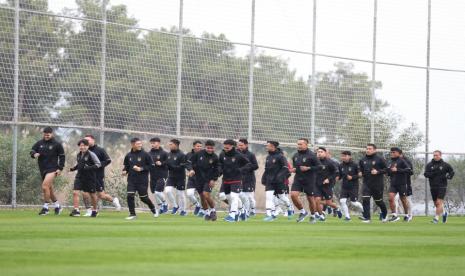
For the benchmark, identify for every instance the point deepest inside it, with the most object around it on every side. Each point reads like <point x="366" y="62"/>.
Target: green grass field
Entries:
<point x="173" y="245"/>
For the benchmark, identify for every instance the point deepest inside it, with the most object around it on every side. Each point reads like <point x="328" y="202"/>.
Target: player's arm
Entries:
<point x="96" y="161"/>
<point x="61" y="156"/>
<point x="35" y="150"/>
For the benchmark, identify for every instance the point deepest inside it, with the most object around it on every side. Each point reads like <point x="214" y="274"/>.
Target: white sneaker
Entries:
<point x="156" y="214"/>
<point x="116" y="204"/>
<point x="131" y="218"/>
<point x="88" y="213"/>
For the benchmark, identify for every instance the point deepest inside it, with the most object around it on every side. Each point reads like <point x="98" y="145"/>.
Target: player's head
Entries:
<point x="83" y="145"/>
<point x="346" y="156"/>
<point x="155" y="142"/>
<point x="395" y="152"/>
<point x="271" y="146"/>
<point x="370" y="149"/>
<point x="47" y="133"/>
<point x="228" y="145"/>
<point x="197" y="146"/>
<point x="174" y="144"/>
<point x="91" y="139"/>
<point x="322" y="152"/>
<point x="136" y="144"/>
<point x="210" y="146"/>
<point x="302" y="144"/>
<point x="437" y="155"/>
<point x="243" y="144"/>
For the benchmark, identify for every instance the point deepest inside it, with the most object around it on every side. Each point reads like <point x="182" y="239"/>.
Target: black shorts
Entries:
<point x="157" y="184"/>
<point x="204" y="187"/>
<point x="178" y="183"/>
<point x="324" y="191"/>
<point x="303" y="186"/>
<point x="400" y="189"/>
<point x="235" y="187"/>
<point x="248" y="187"/>
<point x="438" y="192"/>
<point x="278" y="188"/>
<point x="191" y="184"/>
<point x="140" y="188"/>
<point x="85" y="186"/>
<point x="100" y="187"/>
<point x="409" y="190"/>
<point x="45" y="172"/>
<point x="375" y="191"/>
<point x="352" y="194"/>
<point x="77" y="185"/>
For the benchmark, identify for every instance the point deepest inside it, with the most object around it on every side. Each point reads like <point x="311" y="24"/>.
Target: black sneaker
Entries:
<point x="394" y="219"/>
<point x="58" y="210"/>
<point x="94" y="214"/>
<point x="75" y="213"/>
<point x="207" y="217"/>
<point x="43" y="212"/>
<point x="213" y="216"/>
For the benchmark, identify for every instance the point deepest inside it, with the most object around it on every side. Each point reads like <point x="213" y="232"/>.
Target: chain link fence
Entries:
<point x="343" y="73"/>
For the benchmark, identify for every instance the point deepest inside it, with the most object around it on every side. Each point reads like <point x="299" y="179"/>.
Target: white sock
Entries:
<point x="181" y="199"/>
<point x="234" y="204"/>
<point x="160" y="197"/>
<point x="357" y="205"/>
<point x="345" y="208"/>
<point x="302" y="211"/>
<point x="191" y="196"/>
<point x="170" y="194"/>
<point x="57" y="204"/>
<point x="46" y="205"/>
<point x="222" y="196"/>
<point x="269" y="202"/>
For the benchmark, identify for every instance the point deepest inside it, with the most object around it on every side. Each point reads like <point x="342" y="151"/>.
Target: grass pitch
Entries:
<point x="174" y="245"/>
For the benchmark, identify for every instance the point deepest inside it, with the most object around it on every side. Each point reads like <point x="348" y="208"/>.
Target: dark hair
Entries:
<point x="135" y="139"/>
<point x="155" y="139"/>
<point x="244" y="141"/>
<point x="346" y="152"/>
<point x="210" y="143"/>
<point x="83" y="141"/>
<point x="323" y="149"/>
<point x="229" y="142"/>
<point x="196" y="142"/>
<point x="304" y="139"/>
<point x="438" y="151"/>
<point x="371" y="145"/>
<point x="90" y="136"/>
<point x="175" y="141"/>
<point x="47" y="130"/>
<point x="396" y="149"/>
<point x="274" y="143"/>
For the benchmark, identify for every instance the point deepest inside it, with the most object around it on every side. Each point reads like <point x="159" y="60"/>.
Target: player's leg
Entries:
<point x="46" y="185"/>
<point x="142" y="190"/>
<point x="393" y="191"/>
<point x="87" y="203"/>
<point x="76" y="192"/>
<point x="378" y="199"/>
<point x="190" y="193"/>
<point x="181" y="194"/>
<point x="131" y="199"/>
<point x="102" y="195"/>
<point x="160" y="195"/>
<point x="170" y="193"/>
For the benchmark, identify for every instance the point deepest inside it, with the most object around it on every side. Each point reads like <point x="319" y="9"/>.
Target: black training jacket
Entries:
<point x="367" y="163"/>
<point x="348" y="168"/>
<point x="232" y="165"/>
<point x="177" y="164"/>
<point x="249" y="173"/>
<point x="159" y="171"/>
<point x="52" y="155"/>
<point x="438" y="172"/>
<point x="104" y="159"/>
<point x="87" y="166"/>
<point x="400" y="176"/>
<point x="276" y="168"/>
<point x="205" y="166"/>
<point x="141" y="159"/>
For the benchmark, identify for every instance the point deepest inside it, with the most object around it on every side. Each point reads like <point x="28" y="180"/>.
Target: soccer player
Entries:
<point x="372" y="168"/>
<point x="348" y="173"/>
<point x="232" y="165"/>
<point x="274" y="176"/>
<point x="191" y="185"/>
<point x="325" y="180"/>
<point x="438" y="172"/>
<point x="51" y="159"/>
<point x="306" y="165"/>
<point x="104" y="161"/>
<point x="409" y="216"/>
<point x="86" y="178"/>
<point x="158" y="174"/>
<point x="176" y="184"/>
<point x="205" y="170"/>
<point x="137" y="165"/>
<point x="398" y="171"/>
<point x="248" y="179"/>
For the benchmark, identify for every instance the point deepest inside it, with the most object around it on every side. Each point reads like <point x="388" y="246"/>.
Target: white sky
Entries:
<point x="344" y="28"/>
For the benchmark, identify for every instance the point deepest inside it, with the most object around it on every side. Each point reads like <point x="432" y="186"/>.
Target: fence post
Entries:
<point x="373" y="72"/>
<point x="15" y="108"/>
<point x="103" y="71"/>
<point x="313" y="79"/>
<point x="428" y="47"/>
<point x="179" y="75"/>
<point x="251" y="71"/>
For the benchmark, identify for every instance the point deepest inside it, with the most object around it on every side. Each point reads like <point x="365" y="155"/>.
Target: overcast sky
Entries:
<point x="344" y="28"/>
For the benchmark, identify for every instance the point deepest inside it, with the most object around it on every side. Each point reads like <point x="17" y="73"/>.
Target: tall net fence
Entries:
<point x="343" y="73"/>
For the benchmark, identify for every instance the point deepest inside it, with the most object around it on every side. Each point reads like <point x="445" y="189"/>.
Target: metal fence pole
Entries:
<point x="373" y="73"/>
<point x="15" y="109"/>
<point x="313" y="79"/>
<point x="179" y="76"/>
<point x="251" y="71"/>
<point x="103" y="71"/>
<point x="428" y="48"/>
